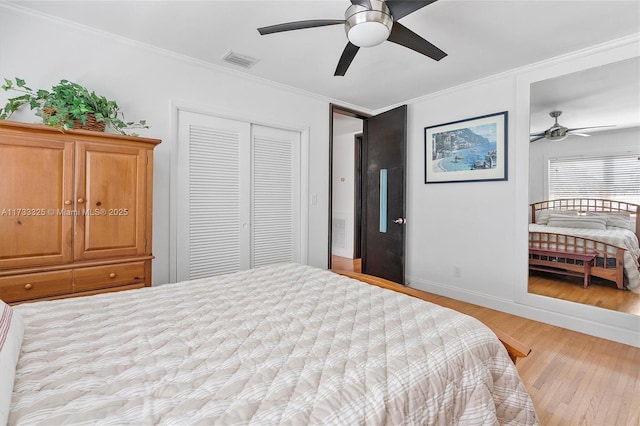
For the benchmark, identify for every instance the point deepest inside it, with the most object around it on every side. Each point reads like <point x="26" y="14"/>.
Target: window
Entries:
<point x="613" y="178"/>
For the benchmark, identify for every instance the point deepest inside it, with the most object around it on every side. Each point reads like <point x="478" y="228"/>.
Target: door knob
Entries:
<point x="400" y="221"/>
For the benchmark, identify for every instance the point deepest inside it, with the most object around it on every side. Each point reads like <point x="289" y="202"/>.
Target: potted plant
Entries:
<point x="68" y="105"/>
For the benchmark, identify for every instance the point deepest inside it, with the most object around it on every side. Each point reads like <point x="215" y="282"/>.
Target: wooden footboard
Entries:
<point x="515" y="348"/>
<point x="609" y="261"/>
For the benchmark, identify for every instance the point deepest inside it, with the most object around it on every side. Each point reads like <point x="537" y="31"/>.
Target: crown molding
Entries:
<point x="633" y="39"/>
<point x="4" y="4"/>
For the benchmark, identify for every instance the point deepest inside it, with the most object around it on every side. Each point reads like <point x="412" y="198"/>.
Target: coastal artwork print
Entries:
<point x="468" y="150"/>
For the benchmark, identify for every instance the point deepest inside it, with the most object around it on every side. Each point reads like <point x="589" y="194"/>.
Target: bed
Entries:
<point x="605" y="228"/>
<point x="283" y="344"/>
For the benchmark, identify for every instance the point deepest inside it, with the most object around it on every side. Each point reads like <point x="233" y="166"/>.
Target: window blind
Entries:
<point x="614" y="177"/>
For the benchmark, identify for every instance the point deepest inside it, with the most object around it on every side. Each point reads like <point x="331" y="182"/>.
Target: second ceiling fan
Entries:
<point x="558" y="132"/>
<point x="369" y="23"/>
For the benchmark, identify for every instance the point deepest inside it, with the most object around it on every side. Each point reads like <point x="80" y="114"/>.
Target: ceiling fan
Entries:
<point x="558" y="132"/>
<point x="369" y="23"/>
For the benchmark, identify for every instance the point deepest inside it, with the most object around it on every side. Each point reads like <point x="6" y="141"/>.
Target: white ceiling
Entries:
<point x="482" y="38"/>
<point x="608" y="95"/>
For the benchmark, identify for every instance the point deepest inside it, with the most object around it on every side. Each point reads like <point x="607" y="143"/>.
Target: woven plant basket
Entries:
<point x="91" y="123"/>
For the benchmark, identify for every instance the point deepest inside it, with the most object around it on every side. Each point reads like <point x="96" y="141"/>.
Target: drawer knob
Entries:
<point x="112" y="275"/>
<point x="80" y="200"/>
<point x="28" y="286"/>
<point x="67" y="202"/>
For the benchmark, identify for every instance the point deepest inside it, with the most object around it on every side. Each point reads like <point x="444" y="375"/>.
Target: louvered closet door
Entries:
<point x="213" y="193"/>
<point x="275" y="190"/>
<point x="238" y="196"/>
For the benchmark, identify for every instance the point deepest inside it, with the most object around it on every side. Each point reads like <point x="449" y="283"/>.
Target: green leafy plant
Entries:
<point x="67" y="105"/>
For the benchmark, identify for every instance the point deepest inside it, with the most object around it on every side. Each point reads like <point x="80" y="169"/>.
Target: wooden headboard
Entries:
<point x="594" y="205"/>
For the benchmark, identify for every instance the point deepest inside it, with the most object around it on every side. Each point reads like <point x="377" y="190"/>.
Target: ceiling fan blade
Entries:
<point x="298" y="25"/>
<point x="363" y="3"/>
<point x="401" y="8"/>
<point x="405" y="37"/>
<point x="579" y="134"/>
<point x="584" y="128"/>
<point x="536" y="138"/>
<point x="542" y="133"/>
<point x="347" y="57"/>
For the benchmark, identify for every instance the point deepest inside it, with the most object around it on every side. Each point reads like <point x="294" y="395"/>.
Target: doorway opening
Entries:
<point x="345" y="201"/>
<point x="382" y="191"/>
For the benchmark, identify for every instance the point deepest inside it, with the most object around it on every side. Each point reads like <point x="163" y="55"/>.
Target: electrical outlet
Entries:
<point x="457" y="272"/>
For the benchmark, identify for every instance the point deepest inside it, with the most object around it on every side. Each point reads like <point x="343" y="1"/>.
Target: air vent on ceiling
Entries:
<point x="243" y="61"/>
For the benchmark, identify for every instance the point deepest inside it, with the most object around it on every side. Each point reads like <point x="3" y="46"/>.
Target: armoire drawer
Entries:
<point x="98" y="277"/>
<point x="32" y="286"/>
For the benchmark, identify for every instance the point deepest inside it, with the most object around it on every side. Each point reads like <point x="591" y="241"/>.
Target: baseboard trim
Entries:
<point x="629" y="337"/>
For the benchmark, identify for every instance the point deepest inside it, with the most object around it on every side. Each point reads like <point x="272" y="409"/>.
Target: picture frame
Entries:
<point x="469" y="150"/>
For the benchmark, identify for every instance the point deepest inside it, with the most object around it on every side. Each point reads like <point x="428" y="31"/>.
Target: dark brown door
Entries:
<point x="384" y="158"/>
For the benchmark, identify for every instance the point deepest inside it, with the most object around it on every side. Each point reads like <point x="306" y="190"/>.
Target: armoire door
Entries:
<point x="110" y="198"/>
<point x="36" y="191"/>
<point x="238" y="203"/>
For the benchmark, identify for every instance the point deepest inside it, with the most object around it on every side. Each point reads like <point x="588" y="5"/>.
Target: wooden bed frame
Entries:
<point x="593" y="205"/>
<point x="515" y="349"/>
<point x="565" y="246"/>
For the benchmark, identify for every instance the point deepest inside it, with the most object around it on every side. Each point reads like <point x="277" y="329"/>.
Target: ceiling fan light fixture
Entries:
<point x="368" y="34"/>
<point x="368" y="27"/>
<point x="557" y="138"/>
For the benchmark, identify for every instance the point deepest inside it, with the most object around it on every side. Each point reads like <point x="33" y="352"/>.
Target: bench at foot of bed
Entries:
<point x="562" y="262"/>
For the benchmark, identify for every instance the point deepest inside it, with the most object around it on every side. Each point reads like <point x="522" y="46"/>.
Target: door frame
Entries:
<point x="337" y="109"/>
<point x="357" y="179"/>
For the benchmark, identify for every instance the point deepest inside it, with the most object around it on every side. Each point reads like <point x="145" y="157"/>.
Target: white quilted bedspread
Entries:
<point x="289" y="344"/>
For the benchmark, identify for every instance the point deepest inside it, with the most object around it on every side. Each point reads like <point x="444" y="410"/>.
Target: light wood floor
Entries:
<point x="601" y="293"/>
<point x="573" y="378"/>
<point x="343" y="264"/>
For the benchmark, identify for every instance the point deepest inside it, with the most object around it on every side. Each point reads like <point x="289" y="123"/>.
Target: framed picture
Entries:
<point x="468" y="150"/>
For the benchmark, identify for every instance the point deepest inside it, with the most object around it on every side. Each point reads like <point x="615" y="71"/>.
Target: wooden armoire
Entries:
<point x="75" y="212"/>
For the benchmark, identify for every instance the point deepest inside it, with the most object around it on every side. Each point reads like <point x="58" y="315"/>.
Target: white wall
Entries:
<point x="148" y="84"/>
<point x="481" y="227"/>
<point x="469" y="224"/>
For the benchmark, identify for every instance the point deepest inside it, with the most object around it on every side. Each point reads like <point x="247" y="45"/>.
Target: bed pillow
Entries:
<point x="11" y="334"/>
<point x="542" y="217"/>
<point x="619" y="220"/>
<point x="584" y="222"/>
